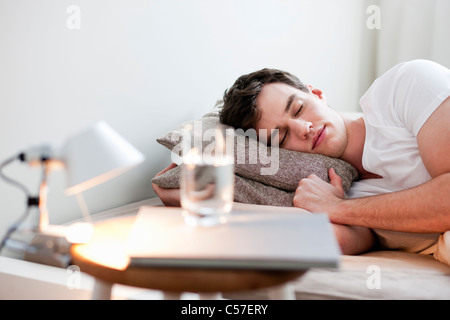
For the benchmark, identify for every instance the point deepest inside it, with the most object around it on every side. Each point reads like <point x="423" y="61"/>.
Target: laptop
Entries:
<point x="266" y="240"/>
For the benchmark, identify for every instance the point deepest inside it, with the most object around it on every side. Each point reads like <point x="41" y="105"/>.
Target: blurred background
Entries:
<point x="146" y="66"/>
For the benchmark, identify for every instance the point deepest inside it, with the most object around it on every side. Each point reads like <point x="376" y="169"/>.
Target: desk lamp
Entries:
<point x="89" y="158"/>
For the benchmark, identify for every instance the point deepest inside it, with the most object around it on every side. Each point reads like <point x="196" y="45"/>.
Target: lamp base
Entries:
<point x="48" y="249"/>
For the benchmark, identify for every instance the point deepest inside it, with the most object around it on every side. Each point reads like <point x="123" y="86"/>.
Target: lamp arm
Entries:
<point x="47" y="154"/>
<point x="49" y="158"/>
<point x="43" y="191"/>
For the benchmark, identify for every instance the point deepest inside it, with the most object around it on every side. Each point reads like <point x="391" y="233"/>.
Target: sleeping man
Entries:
<point x="399" y="147"/>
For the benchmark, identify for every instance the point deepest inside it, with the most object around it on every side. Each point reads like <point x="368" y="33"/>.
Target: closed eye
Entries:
<point x="299" y="110"/>
<point x="287" y="131"/>
<point x="284" y="137"/>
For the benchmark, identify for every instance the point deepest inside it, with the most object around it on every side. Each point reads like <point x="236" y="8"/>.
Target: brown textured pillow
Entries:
<point x="246" y="190"/>
<point x="253" y="186"/>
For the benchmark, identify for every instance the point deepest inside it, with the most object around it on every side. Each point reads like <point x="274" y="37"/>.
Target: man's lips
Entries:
<point x="319" y="137"/>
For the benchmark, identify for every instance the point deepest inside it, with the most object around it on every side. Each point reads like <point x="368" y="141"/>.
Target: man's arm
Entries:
<point x="425" y="208"/>
<point x="169" y="197"/>
<point x="351" y="239"/>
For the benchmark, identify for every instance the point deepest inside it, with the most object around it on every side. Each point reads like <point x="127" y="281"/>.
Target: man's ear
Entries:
<point x="317" y="92"/>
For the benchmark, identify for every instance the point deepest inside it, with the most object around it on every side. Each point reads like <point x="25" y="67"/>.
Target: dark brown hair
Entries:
<point x="239" y="108"/>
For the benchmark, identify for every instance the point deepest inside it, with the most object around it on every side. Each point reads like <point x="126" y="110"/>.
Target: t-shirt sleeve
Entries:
<point x="420" y="87"/>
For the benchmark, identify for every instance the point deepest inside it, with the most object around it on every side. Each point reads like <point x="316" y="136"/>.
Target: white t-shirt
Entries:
<point x="394" y="110"/>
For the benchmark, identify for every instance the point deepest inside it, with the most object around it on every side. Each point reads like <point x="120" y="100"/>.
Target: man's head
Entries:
<point x="272" y="99"/>
<point x="240" y="107"/>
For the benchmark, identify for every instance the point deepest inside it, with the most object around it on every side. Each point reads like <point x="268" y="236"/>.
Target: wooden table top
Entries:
<point x="105" y="258"/>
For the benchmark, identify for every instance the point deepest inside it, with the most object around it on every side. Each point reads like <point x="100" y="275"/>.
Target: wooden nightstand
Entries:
<point x="106" y="258"/>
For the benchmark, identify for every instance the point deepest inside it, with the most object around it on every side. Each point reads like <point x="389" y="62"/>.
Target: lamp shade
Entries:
<point x="96" y="155"/>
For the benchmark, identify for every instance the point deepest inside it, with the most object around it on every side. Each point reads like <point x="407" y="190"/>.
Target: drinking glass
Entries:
<point x="207" y="178"/>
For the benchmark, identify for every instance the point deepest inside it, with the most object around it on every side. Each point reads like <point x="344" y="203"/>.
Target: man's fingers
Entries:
<point x="311" y="177"/>
<point x="335" y="179"/>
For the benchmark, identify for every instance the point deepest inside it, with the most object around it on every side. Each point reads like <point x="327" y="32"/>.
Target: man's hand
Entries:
<point x="170" y="197"/>
<point x="316" y="195"/>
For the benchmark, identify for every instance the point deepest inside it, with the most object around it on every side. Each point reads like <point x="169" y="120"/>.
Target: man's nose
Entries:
<point x="300" y="127"/>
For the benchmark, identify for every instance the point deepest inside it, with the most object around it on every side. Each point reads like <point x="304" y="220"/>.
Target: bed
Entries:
<point x="380" y="274"/>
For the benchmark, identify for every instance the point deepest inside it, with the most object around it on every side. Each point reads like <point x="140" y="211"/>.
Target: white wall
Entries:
<point x="146" y="66"/>
<point x="420" y="29"/>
